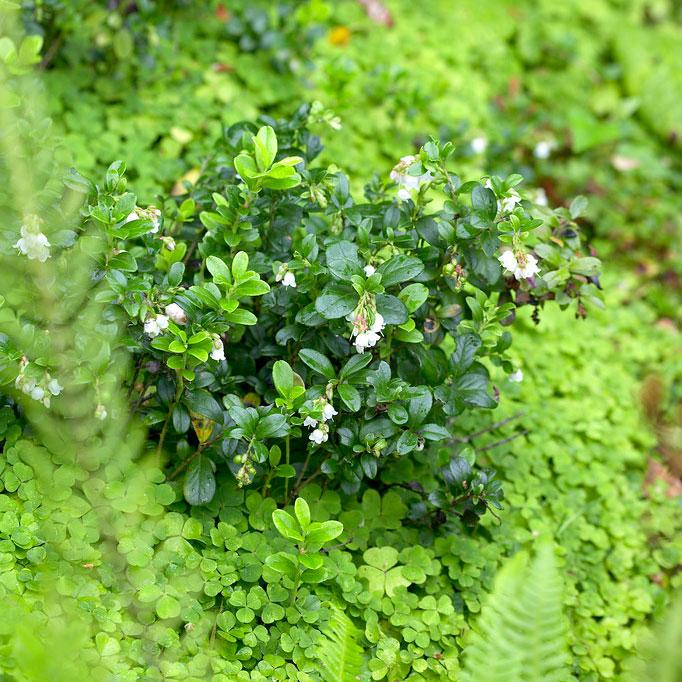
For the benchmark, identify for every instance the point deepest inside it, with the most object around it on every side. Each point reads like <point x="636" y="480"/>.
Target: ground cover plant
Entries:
<point x="272" y="424"/>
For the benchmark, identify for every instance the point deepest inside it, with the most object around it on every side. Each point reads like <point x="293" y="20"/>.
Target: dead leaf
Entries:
<point x="203" y="426"/>
<point x="190" y="176"/>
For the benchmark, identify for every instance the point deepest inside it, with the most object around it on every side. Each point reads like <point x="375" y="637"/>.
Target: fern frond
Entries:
<point x="660" y="655"/>
<point x="520" y="635"/>
<point x="340" y="656"/>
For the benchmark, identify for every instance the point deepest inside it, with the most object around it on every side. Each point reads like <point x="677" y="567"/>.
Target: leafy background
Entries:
<point x="168" y="594"/>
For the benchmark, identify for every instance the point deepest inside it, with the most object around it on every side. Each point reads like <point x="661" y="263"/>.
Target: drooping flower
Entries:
<point x="408" y="182"/>
<point x="218" y="352"/>
<point x="33" y="243"/>
<point x="541" y="197"/>
<point x="543" y="149"/>
<point x="26" y="384"/>
<point x="521" y="265"/>
<point x="309" y="421"/>
<point x="289" y="280"/>
<point x="285" y="276"/>
<point x="479" y="145"/>
<point x="365" y="340"/>
<point x="155" y="217"/>
<point x="366" y="336"/>
<point x="320" y="434"/>
<point x="508" y="203"/>
<point x="516" y="377"/>
<point x="508" y="260"/>
<point x="328" y="412"/>
<point x="54" y="387"/>
<point x="176" y="313"/>
<point x="37" y="393"/>
<point x="378" y="324"/>
<point x="369" y="270"/>
<point x="101" y="412"/>
<point x="155" y="325"/>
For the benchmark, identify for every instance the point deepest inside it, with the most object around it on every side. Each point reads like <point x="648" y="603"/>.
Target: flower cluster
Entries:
<point x="406" y="181"/>
<point x="326" y="411"/>
<point x="218" y="350"/>
<point x="175" y="313"/>
<point x="508" y="202"/>
<point x="522" y="265"/>
<point x="41" y="389"/>
<point x="368" y="323"/>
<point x="33" y="243"/>
<point x="285" y="277"/>
<point x="152" y="214"/>
<point x="301" y="279"/>
<point x="155" y="325"/>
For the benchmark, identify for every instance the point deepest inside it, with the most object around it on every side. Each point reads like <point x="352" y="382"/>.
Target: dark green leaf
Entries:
<point x="355" y="364"/>
<point x="392" y="309"/>
<point x="419" y="407"/>
<point x="399" y="269"/>
<point x="200" y="482"/>
<point x="203" y="403"/>
<point x="407" y="442"/>
<point x="336" y="301"/>
<point x="484" y="201"/>
<point x="317" y="362"/>
<point x="343" y="261"/>
<point x="350" y="397"/>
<point x="465" y="352"/>
<point x="272" y="426"/>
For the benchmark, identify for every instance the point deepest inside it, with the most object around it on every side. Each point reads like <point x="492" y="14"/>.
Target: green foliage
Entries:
<point x="339" y="652"/>
<point x="131" y="572"/>
<point x="520" y="634"/>
<point x="417" y="287"/>
<point x="413" y="592"/>
<point x="525" y="93"/>
<point x="285" y="33"/>
<point x="659" y="656"/>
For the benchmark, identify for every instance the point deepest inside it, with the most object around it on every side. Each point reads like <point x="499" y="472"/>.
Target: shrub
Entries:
<point x="286" y="331"/>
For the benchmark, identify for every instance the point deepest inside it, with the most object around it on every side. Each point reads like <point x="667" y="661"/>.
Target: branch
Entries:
<point x="492" y="427"/>
<point x="503" y="441"/>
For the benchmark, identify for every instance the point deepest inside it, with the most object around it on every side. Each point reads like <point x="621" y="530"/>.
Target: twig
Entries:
<point x="503" y="441"/>
<point x="287" y="453"/>
<point x="307" y="480"/>
<point x="178" y="392"/>
<point x="215" y="622"/>
<point x="138" y="366"/>
<point x="51" y="52"/>
<point x="183" y="464"/>
<point x="333" y="547"/>
<point x="300" y="476"/>
<point x="198" y="451"/>
<point x="492" y="427"/>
